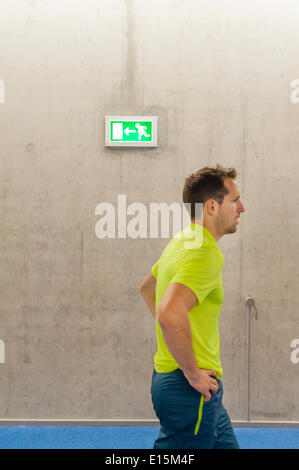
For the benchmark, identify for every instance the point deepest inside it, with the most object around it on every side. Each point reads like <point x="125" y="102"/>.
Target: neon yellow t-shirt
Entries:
<point x="199" y="267"/>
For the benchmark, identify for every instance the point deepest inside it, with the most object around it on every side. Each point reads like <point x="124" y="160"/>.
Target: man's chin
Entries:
<point x="231" y="230"/>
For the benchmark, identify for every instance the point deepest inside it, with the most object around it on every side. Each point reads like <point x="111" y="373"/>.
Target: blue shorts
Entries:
<point x="187" y="422"/>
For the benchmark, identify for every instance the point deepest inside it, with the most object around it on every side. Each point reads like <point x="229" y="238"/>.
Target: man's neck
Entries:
<point x="211" y="229"/>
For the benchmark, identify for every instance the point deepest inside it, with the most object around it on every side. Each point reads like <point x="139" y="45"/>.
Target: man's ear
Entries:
<point x="211" y="206"/>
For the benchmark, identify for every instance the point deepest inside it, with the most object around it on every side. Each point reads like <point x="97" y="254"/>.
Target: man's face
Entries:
<point x="230" y="209"/>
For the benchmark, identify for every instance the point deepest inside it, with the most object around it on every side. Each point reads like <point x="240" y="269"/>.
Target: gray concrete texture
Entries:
<point x="79" y="341"/>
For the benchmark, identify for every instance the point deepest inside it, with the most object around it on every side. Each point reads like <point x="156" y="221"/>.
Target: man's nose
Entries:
<point x="241" y="208"/>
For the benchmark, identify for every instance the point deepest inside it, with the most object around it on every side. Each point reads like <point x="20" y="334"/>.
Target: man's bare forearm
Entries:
<point x="178" y="338"/>
<point x="173" y="317"/>
<point x="149" y="296"/>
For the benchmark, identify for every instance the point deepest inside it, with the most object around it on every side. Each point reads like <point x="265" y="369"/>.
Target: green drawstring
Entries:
<point x="199" y="415"/>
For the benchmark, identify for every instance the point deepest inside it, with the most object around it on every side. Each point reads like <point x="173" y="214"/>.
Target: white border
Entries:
<point x="152" y="143"/>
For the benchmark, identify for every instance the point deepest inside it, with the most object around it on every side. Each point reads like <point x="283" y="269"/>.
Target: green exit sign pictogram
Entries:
<point x="131" y="131"/>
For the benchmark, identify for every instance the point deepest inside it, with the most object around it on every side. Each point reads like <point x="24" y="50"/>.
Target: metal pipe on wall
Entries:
<point x="250" y="303"/>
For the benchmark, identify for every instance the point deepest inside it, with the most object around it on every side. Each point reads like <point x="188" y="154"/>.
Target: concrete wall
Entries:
<point x="79" y="341"/>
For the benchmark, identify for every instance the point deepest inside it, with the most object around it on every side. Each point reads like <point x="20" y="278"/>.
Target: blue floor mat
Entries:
<point x="128" y="437"/>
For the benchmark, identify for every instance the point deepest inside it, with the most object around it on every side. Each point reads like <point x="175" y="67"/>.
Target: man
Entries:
<point x="184" y="293"/>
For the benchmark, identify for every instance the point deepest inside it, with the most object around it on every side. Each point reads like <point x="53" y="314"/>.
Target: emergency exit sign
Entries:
<point x="131" y="131"/>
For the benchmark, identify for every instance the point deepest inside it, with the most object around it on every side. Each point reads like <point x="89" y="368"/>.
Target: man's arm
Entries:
<point x="172" y="315"/>
<point x="148" y="292"/>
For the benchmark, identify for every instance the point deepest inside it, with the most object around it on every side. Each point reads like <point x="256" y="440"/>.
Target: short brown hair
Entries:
<point x="206" y="183"/>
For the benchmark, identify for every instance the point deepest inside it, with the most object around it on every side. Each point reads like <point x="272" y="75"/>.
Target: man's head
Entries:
<point x="216" y="189"/>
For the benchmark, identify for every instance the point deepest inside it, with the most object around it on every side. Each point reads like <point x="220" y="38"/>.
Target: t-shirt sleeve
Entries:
<point x="154" y="269"/>
<point x="200" y="272"/>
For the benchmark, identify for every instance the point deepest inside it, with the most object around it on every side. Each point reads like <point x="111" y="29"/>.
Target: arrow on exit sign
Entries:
<point x="128" y="130"/>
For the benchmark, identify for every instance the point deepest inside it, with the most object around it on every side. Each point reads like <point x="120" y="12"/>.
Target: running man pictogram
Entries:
<point x="141" y="131"/>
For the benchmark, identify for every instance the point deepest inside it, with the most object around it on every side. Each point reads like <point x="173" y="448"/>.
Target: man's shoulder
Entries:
<point x="207" y="258"/>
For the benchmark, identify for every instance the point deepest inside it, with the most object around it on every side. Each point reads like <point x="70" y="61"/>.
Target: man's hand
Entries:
<point x="204" y="383"/>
